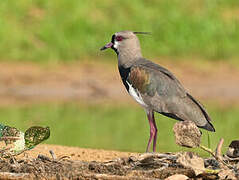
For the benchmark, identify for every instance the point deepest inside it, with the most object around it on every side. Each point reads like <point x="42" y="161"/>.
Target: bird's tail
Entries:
<point x="209" y="125"/>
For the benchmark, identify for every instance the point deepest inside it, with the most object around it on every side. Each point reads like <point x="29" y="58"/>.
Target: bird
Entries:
<point x="154" y="87"/>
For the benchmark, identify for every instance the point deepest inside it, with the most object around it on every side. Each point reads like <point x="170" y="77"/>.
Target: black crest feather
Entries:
<point x="142" y="32"/>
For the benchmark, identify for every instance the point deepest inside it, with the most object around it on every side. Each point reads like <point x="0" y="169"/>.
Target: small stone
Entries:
<point x="177" y="177"/>
<point x="187" y="134"/>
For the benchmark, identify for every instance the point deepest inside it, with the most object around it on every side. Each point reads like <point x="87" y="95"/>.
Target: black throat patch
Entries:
<point x="124" y="73"/>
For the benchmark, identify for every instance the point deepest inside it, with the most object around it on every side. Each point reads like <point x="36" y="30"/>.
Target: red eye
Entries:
<point x="119" y="38"/>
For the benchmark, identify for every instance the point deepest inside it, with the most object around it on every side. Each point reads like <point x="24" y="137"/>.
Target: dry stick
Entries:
<point x="109" y="176"/>
<point x="52" y="154"/>
<point x="217" y="155"/>
<point x="9" y="175"/>
<point x="207" y="150"/>
<point x="219" y="149"/>
<point x="9" y="138"/>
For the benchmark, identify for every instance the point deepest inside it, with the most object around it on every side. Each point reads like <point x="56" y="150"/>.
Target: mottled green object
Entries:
<point x="20" y="141"/>
<point x="10" y="132"/>
<point x="35" y="135"/>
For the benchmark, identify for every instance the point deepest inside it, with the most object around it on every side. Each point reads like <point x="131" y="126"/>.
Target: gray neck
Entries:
<point x="129" y="56"/>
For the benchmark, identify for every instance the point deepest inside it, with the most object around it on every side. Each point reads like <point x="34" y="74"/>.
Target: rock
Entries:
<point x="233" y="149"/>
<point x="177" y="177"/>
<point x="187" y="134"/>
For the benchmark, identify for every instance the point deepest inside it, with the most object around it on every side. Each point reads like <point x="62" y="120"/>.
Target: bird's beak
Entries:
<point x="109" y="45"/>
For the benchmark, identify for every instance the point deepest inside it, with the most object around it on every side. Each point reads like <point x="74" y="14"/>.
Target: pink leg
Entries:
<point x="153" y="131"/>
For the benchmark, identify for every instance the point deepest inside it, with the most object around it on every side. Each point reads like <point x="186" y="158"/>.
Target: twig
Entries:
<point x="64" y="157"/>
<point x="9" y="175"/>
<point x="216" y="155"/>
<point x="207" y="150"/>
<point x="9" y="138"/>
<point x="43" y="157"/>
<point x="109" y="176"/>
<point x="52" y="155"/>
<point x="219" y="149"/>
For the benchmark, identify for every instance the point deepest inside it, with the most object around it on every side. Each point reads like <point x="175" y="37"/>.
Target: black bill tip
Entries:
<point x="103" y="48"/>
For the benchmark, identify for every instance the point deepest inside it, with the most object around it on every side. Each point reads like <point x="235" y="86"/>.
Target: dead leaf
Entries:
<point x="191" y="160"/>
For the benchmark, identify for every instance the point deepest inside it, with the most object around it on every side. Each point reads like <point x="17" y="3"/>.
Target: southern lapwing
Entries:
<point x="155" y="88"/>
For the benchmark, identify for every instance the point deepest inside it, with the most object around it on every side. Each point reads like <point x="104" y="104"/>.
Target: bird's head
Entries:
<point x="124" y="41"/>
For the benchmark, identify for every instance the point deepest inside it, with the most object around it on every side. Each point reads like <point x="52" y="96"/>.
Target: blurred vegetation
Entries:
<point x="63" y="30"/>
<point x="113" y="127"/>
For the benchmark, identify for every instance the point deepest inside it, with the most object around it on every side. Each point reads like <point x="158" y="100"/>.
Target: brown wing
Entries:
<point x="139" y="79"/>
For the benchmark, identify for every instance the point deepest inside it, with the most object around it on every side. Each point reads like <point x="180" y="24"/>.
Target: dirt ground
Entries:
<point x="30" y="83"/>
<point x="76" y="153"/>
<point x="24" y="83"/>
<point x="77" y="163"/>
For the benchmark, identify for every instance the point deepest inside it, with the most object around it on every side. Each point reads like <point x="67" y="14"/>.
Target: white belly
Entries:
<point x="136" y="95"/>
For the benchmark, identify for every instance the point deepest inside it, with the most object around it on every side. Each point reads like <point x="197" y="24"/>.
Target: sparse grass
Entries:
<point x="122" y="128"/>
<point x="62" y="30"/>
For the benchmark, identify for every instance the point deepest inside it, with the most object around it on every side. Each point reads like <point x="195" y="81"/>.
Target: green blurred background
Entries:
<point x="60" y="31"/>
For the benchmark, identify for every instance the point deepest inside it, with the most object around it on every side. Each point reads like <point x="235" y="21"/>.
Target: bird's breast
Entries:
<point x="132" y="84"/>
<point x="136" y="95"/>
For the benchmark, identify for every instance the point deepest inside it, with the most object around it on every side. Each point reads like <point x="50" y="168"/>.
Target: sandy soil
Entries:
<point x="109" y="165"/>
<point x="76" y="153"/>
